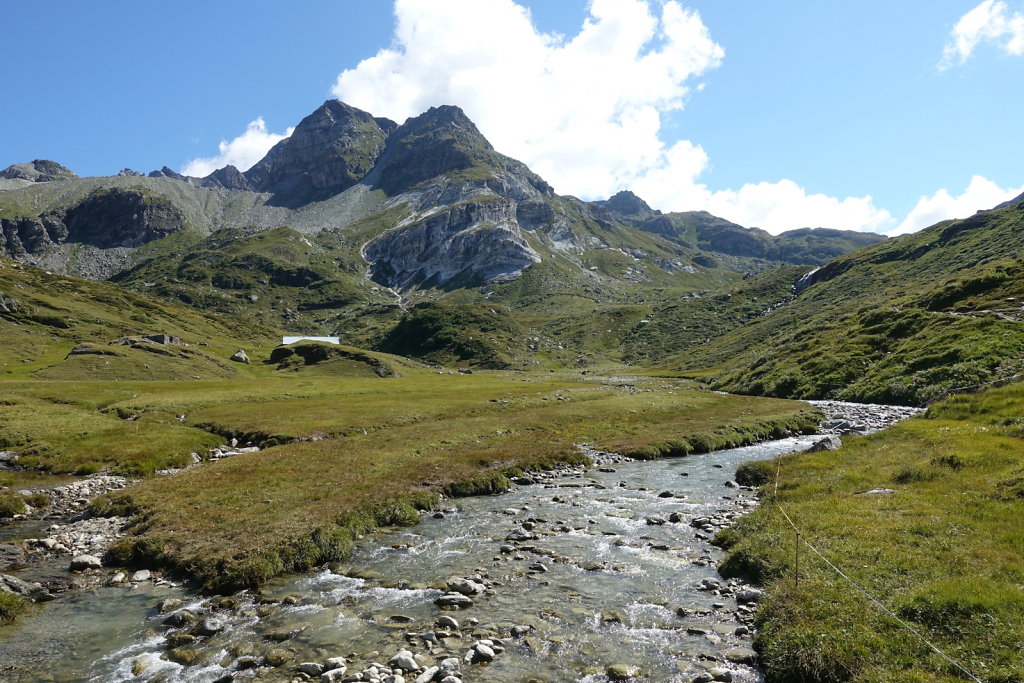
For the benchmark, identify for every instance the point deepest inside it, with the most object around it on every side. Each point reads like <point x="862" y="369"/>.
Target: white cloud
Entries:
<point x="772" y="206"/>
<point x="583" y="112"/>
<point x="242" y="152"/>
<point x="991" y="21"/>
<point x="981" y="193"/>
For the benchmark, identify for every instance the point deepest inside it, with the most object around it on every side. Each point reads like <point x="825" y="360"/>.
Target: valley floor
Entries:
<point x="342" y="456"/>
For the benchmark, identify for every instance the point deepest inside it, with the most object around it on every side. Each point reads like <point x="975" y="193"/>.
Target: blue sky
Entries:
<point x="868" y="115"/>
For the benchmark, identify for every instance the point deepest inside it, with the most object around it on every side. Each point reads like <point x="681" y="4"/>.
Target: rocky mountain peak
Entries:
<point x="329" y="151"/>
<point x="167" y="172"/>
<point x="438" y="141"/>
<point x="625" y="203"/>
<point x="38" y="171"/>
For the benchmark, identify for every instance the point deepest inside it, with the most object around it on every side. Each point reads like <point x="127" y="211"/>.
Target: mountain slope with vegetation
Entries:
<point x="898" y="322"/>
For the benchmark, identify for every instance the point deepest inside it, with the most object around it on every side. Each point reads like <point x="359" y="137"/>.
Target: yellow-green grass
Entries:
<point x="945" y="551"/>
<point x="68" y="437"/>
<point x="242" y="520"/>
<point x="11" y="606"/>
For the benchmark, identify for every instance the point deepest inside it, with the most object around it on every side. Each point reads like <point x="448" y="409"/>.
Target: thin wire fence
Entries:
<point x="800" y="538"/>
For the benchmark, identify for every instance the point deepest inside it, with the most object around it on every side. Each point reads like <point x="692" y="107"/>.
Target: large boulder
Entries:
<point x="829" y="443"/>
<point x="80" y="562"/>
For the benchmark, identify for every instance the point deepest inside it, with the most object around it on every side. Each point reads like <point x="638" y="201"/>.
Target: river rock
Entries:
<point x="450" y="665"/>
<point x="454" y="600"/>
<point x="209" y="627"/>
<point x="277" y="657"/>
<point x="746" y="595"/>
<point x="828" y="443"/>
<point x="404" y="661"/>
<point x="179" y="619"/>
<point x="32" y="591"/>
<point x="428" y="675"/>
<point x="465" y="586"/>
<point x="81" y="562"/>
<point x="447" y="622"/>
<point x="142" y="575"/>
<point x="11" y="557"/>
<point x="312" y="669"/>
<point x="247" y="662"/>
<point x="335" y="675"/>
<point x="741" y="655"/>
<point x="721" y="674"/>
<point x="481" y="652"/>
<point x="333" y="663"/>
<point x="620" y="672"/>
<point x="183" y="656"/>
<point x="176" y="640"/>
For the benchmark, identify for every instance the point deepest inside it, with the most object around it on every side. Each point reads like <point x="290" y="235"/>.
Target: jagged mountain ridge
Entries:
<point x="379" y="216"/>
<point x="330" y="151"/>
<point x="803" y="246"/>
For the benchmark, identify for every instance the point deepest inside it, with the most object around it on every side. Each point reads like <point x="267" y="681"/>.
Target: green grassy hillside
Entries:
<point x="44" y="316"/>
<point x="899" y="322"/>
<point x="942" y="550"/>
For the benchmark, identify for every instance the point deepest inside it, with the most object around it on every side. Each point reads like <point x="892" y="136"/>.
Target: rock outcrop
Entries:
<point x="328" y="152"/>
<point x="38" y="171"/>
<point x="474" y="241"/>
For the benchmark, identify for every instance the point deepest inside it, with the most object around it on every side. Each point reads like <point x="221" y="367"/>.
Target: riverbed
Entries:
<point x="575" y="575"/>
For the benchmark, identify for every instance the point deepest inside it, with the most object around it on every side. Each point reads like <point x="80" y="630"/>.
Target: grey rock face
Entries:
<point x="166" y="172"/>
<point x="478" y="240"/>
<point x="28" y="235"/>
<point x="329" y="151"/>
<point x="440" y="140"/>
<point x="122" y="218"/>
<point x="228" y="177"/>
<point x="829" y="443"/>
<point x="38" y="171"/>
<point x="8" y="304"/>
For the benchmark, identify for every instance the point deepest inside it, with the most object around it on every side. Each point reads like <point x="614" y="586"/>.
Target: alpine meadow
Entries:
<point x="372" y="401"/>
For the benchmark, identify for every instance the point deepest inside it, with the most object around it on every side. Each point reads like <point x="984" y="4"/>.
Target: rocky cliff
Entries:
<point x="470" y="242"/>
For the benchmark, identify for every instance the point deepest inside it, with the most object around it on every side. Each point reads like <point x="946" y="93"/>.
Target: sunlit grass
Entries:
<point x="945" y="552"/>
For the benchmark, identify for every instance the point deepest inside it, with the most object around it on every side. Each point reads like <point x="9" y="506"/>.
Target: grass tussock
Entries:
<point x="945" y="552"/>
<point x="11" y="606"/>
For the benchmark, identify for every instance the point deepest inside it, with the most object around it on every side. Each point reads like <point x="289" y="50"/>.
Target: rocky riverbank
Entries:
<point x="75" y="532"/>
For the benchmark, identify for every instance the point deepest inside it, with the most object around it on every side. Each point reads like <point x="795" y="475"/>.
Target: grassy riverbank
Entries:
<point x="945" y="551"/>
<point x="358" y="454"/>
